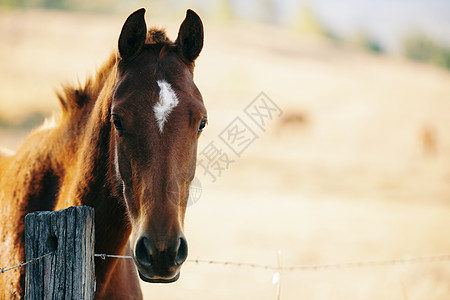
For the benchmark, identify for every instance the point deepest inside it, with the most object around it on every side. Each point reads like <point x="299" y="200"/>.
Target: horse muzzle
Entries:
<point x="160" y="262"/>
<point x="159" y="280"/>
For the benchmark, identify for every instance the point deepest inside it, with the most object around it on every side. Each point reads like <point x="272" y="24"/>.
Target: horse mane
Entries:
<point x="73" y="98"/>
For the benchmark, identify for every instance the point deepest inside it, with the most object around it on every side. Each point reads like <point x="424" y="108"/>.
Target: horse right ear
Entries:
<point x="133" y="35"/>
<point x="190" y="36"/>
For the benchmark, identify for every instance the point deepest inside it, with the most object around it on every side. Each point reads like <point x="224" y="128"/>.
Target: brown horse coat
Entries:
<point x="69" y="161"/>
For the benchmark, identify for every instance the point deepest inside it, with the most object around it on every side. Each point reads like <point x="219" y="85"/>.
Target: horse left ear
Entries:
<point x="190" y="36"/>
<point x="133" y="35"/>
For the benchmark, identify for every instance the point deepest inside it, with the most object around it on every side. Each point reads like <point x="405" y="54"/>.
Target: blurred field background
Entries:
<point x="357" y="168"/>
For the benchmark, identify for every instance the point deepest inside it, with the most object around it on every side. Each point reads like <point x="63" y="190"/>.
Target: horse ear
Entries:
<point x="133" y="35"/>
<point x="190" y="36"/>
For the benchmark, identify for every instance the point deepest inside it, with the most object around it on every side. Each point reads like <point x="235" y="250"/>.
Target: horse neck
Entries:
<point x="92" y="182"/>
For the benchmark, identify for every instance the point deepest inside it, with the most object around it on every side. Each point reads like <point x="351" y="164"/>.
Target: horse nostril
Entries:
<point x="147" y="256"/>
<point x="182" y="251"/>
<point x="143" y="253"/>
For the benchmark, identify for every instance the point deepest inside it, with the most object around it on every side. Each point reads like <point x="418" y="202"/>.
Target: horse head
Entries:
<point x="157" y="115"/>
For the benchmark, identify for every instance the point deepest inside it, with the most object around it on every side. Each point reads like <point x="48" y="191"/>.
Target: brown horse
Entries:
<point x="125" y="144"/>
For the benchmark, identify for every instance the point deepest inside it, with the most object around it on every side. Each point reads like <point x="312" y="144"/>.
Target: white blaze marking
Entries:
<point x="116" y="163"/>
<point x="118" y="176"/>
<point x="167" y="102"/>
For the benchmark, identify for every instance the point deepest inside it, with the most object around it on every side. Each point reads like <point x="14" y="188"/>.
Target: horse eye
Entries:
<point x="117" y="123"/>
<point x="202" y="125"/>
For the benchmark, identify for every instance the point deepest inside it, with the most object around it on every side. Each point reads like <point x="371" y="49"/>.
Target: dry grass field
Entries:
<point x="357" y="168"/>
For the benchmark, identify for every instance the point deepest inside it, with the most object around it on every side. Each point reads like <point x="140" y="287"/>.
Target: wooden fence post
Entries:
<point x="69" y="273"/>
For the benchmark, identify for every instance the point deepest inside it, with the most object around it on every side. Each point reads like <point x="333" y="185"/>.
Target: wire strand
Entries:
<point x="318" y="267"/>
<point x="3" y="270"/>
<point x="104" y="256"/>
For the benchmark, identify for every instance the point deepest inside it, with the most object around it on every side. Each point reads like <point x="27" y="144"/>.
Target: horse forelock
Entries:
<point x="157" y="35"/>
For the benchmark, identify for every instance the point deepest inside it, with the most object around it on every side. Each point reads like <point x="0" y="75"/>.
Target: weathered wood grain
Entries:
<point x="69" y="273"/>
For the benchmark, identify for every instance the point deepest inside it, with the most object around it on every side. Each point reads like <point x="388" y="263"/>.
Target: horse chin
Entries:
<point x="159" y="280"/>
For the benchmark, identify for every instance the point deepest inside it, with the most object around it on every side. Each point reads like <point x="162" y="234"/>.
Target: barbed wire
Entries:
<point x="320" y="267"/>
<point x="4" y="270"/>
<point x="317" y="267"/>
<point x="104" y="256"/>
